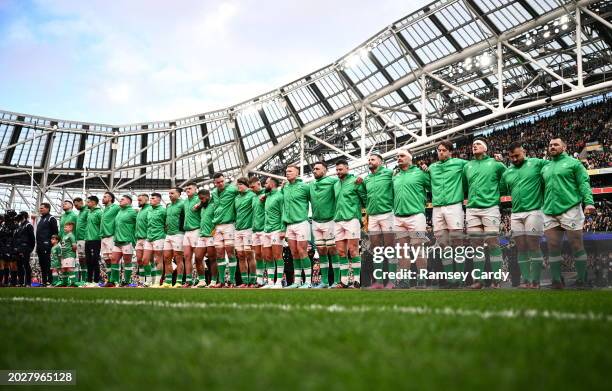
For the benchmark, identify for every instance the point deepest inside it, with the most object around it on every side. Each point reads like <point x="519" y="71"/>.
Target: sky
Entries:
<point x="119" y="62"/>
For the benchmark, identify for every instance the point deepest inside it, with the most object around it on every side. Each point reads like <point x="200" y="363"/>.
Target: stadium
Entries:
<point x="326" y="205"/>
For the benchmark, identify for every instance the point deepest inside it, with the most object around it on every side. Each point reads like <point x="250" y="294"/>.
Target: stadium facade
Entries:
<point x="446" y="70"/>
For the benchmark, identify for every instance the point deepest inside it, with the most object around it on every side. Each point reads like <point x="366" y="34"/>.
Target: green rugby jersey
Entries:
<point x="296" y="196"/>
<point x="192" y="217"/>
<point x="379" y="188"/>
<point x="410" y="188"/>
<point x="259" y="213"/>
<point x="67" y="242"/>
<point x="56" y="256"/>
<point x="175" y="217"/>
<point x="225" y="213"/>
<point x="206" y="219"/>
<point x="125" y="225"/>
<point x="566" y="184"/>
<point x="81" y="228"/>
<point x="94" y="218"/>
<point x="142" y="222"/>
<point x="482" y="177"/>
<point x="525" y="185"/>
<point x="69" y="216"/>
<point x="274" y="211"/>
<point x="156" y="223"/>
<point x="447" y="181"/>
<point x="323" y="199"/>
<point x="107" y="226"/>
<point x="243" y="204"/>
<point x="350" y="198"/>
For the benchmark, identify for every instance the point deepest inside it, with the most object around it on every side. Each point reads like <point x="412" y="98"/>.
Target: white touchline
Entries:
<point x="444" y="311"/>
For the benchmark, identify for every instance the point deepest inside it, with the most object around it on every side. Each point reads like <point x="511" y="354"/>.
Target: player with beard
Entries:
<point x="123" y="249"/>
<point x="173" y="244"/>
<point x="350" y="195"/>
<point x="410" y="187"/>
<point x="379" y="207"/>
<point x="566" y="191"/>
<point x="191" y="240"/>
<point x="224" y="219"/>
<point x="523" y="182"/>
<point x="107" y="229"/>
<point x="156" y="237"/>
<point x="274" y="232"/>
<point x="207" y="242"/>
<point x="447" y="195"/>
<point x="143" y="255"/>
<point x="244" y="233"/>
<point x="323" y="201"/>
<point x="259" y="223"/>
<point x="483" y="175"/>
<point x="80" y="232"/>
<point x="296" y="197"/>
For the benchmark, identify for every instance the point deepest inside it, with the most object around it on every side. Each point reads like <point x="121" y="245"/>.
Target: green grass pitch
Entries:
<point x="267" y="339"/>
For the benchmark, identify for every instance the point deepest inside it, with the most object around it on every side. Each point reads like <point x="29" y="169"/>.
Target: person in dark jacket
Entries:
<point x="46" y="227"/>
<point x="3" y="254"/>
<point x="7" y="236"/>
<point x="23" y="243"/>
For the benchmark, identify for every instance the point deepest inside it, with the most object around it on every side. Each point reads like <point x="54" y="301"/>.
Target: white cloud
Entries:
<point x="144" y="60"/>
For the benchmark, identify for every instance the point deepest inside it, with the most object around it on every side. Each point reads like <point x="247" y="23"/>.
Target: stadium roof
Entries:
<point x="446" y="68"/>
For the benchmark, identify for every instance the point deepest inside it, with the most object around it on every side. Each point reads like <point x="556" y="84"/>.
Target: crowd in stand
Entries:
<point x="578" y="126"/>
<point x="602" y="222"/>
<point x="599" y="159"/>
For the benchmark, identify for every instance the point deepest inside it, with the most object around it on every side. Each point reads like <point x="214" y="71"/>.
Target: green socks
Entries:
<point x="447" y="266"/>
<point x="297" y="270"/>
<point x="307" y="266"/>
<point x="232" y="269"/>
<point x="479" y="263"/>
<point x="580" y="258"/>
<point x="129" y="267"/>
<point x="259" y="263"/>
<point x="536" y="266"/>
<point x="279" y="270"/>
<point x="324" y="269"/>
<point x="221" y="266"/>
<point x="141" y="272"/>
<point x="335" y="259"/>
<point x="147" y="272"/>
<point x="524" y="265"/>
<point x="554" y="259"/>
<point x="114" y="275"/>
<point x="344" y="270"/>
<point x="495" y="256"/>
<point x="270" y="270"/>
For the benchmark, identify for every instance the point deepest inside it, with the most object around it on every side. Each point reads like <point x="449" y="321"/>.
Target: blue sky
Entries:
<point x="133" y="61"/>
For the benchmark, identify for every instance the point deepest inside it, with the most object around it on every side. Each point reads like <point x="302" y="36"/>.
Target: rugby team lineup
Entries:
<point x="234" y="235"/>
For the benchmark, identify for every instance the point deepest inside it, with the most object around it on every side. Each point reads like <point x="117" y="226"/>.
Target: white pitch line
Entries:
<point x="412" y="310"/>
